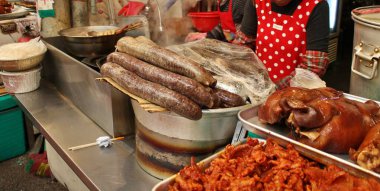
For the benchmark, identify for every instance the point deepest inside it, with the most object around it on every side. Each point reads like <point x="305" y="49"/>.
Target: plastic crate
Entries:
<point x="253" y="135"/>
<point x="12" y="134"/>
<point x="7" y="102"/>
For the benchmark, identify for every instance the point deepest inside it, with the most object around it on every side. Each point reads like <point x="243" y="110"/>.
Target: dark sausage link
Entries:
<point x="228" y="99"/>
<point x="152" y="92"/>
<point x="181" y="84"/>
<point x="215" y="99"/>
<point x="166" y="59"/>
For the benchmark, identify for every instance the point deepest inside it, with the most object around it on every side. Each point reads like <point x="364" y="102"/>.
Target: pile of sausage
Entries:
<point x="165" y="78"/>
<point x="324" y="119"/>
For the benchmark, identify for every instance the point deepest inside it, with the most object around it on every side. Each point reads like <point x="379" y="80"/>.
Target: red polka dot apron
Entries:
<point x="281" y="39"/>
<point x="227" y="22"/>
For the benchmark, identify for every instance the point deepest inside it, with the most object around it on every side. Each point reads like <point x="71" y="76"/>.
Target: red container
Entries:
<point x="132" y="8"/>
<point x="204" y="21"/>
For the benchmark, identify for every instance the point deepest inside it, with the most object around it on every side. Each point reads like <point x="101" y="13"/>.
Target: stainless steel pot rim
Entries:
<point x="357" y="17"/>
<point x="68" y="32"/>
<point x="225" y="110"/>
<point x="33" y="70"/>
<point x="35" y="56"/>
<point x="220" y="110"/>
<point x="214" y="111"/>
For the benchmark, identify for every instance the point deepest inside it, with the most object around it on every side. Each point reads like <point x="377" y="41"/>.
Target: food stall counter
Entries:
<point x="63" y="125"/>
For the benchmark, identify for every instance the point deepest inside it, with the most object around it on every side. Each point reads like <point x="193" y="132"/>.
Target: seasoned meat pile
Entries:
<point x="258" y="166"/>
<point x="5" y="7"/>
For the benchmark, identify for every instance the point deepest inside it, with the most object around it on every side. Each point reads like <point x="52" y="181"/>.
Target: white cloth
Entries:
<point x="22" y="50"/>
<point x="307" y="79"/>
<point x="104" y="141"/>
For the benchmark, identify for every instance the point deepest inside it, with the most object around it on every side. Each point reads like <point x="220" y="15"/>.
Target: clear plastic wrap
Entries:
<point x="307" y="79"/>
<point x="236" y="68"/>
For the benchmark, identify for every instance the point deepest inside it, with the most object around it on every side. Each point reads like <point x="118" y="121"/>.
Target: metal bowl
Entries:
<point x="21" y="65"/>
<point x="79" y="43"/>
<point x="165" y="141"/>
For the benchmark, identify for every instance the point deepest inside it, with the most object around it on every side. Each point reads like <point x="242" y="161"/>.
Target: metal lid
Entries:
<point x="367" y="15"/>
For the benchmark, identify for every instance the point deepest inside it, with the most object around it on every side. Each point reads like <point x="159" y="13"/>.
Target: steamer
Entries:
<point x="365" y="79"/>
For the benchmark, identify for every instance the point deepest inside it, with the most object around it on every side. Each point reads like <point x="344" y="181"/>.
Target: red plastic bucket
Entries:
<point x="132" y="8"/>
<point x="204" y="21"/>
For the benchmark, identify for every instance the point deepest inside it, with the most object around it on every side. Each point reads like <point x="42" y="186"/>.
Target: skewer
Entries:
<point x="92" y="144"/>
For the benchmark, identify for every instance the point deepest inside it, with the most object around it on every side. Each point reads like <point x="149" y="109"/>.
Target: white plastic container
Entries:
<point x="22" y="82"/>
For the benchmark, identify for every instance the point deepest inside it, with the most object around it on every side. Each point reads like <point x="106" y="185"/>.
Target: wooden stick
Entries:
<point x="91" y="144"/>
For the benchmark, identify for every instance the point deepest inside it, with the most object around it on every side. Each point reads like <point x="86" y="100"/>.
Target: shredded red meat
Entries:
<point x="261" y="167"/>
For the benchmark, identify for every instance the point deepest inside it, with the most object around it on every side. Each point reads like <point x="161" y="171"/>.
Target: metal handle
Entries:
<point x="93" y="6"/>
<point x="111" y="12"/>
<point x="369" y="61"/>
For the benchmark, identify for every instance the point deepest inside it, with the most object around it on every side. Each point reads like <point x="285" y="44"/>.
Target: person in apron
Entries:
<point x="231" y="15"/>
<point x="287" y="34"/>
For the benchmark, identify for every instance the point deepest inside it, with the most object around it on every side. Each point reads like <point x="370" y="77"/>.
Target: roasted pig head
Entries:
<point x="332" y="125"/>
<point x="271" y="112"/>
<point x="277" y="106"/>
<point x="322" y="117"/>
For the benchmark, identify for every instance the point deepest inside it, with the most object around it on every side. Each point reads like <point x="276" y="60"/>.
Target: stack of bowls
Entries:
<point x="204" y="21"/>
<point x="21" y="75"/>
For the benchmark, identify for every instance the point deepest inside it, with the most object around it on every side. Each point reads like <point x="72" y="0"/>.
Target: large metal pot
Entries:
<point x="365" y="78"/>
<point x="80" y="44"/>
<point x="165" y="141"/>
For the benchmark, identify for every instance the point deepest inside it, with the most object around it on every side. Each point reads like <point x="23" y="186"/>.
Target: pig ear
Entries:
<point x="313" y="117"/>
<point x="289" y="104"/>
<point x="307" y="117"/>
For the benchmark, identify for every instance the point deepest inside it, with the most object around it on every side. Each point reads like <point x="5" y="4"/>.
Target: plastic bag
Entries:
<point x="22" y="50"/>
<point x="307" y="79"/>
<point x="236" y="68"/>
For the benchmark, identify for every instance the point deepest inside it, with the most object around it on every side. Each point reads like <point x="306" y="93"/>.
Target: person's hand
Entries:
<point x="195" y="36"/>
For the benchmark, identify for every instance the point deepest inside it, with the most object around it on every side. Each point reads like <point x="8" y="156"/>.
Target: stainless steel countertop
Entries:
<point x="64" y="126"/>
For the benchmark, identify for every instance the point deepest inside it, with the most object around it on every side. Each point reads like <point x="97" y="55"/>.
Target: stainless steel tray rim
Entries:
<point x="294" y="142"/>
<point x="225" y="110"/>
<point x="252" y="127"/>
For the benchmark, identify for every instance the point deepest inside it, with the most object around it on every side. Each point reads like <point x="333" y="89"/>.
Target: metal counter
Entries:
<point x="64" y="126"/>
<point x="105" y="105"/>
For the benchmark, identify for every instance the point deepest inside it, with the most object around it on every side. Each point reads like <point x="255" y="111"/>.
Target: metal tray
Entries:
<point x="164" y="185"/>
<point x="17" y="11"/>
<point x="251" y="122"/>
